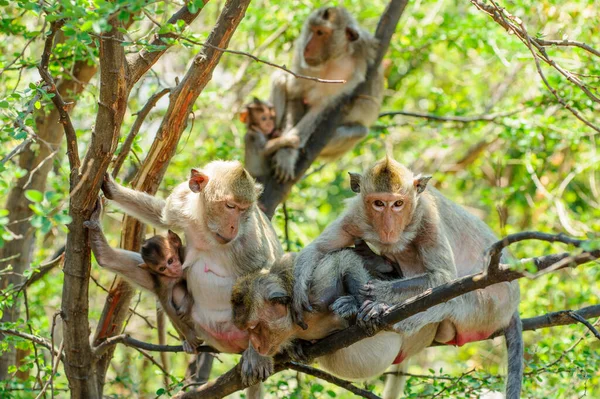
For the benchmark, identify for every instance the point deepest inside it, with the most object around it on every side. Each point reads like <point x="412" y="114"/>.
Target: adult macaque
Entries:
<point x="434" y="241"/>
<point x="157" y="268"/>
<point x="262" y="139"/>
<point x="261" y="306"/>
<point x="227" y="236"/>
<point x="331" y="46"/>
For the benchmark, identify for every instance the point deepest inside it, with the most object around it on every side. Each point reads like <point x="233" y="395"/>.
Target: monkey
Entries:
<point x="227" y="236"/>
<point x="261" y="305"/>
<point x="262" y="139"/>
<point x="331" y="46"/>
<point x="157" y="268"/>
<point x="434" y="240"/>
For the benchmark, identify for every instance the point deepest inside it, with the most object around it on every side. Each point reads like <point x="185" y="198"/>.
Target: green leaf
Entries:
<point x="37" y="105"/>
<point x="4" y="104"/>
<point x="34" y="195"/>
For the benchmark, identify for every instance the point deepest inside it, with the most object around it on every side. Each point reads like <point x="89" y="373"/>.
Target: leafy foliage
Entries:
<point x="532" y="167"/>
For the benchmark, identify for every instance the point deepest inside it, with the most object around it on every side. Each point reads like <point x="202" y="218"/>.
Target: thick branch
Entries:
<point x="275" y="192"/>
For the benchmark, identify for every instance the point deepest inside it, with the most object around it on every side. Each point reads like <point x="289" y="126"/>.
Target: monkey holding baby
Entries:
<point x="333" y="46"/>
<point x="262" y="139"/>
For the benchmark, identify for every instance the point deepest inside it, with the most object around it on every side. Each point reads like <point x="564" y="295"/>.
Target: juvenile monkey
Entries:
<point x="261" y="302"/>
<point x="157" y="268"/>
<point x="262" y="139"/>
<point x="331" y="46"/>
<point x="434" y="241"/>
<point x="227" y="236"/>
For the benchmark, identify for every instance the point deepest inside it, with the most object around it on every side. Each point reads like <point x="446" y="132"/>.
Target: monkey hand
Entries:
<point x="190" y="347"/>
<point x="377" y="290"/>
<point x="296" y="353"/>
<point x="94" y="222"/>
<point x="109" y="186"/>
<point x="254" y="367"/>
<point x="370" y="316"/>
<point x="345" y="306"/>
<point x="284" y="164"/>
<point x="300" y="304"/>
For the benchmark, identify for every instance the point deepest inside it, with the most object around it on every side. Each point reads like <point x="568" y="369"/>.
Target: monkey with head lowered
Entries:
<point x="261" y="305"/>
<point x="331" y="46"/>
<point x="227" y="236"/>
<point x="434" y="241"/>
<point x="157" y="268"/>
<point x="262" y="139"/>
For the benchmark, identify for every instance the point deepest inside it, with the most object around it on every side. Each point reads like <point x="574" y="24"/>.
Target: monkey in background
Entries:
<point x="434" y="241"/>
<point x="158" y="268"/>
<point x="262" y="139"/>
<point x="261" y="305"/>
<point x="331" y="46"/>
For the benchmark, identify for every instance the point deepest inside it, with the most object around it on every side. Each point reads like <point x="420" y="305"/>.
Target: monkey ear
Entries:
<point x="174" y="238"/>
<point x="198" y="181"/>
<point x="143" y="266"/>
<point x="352" y="34"/>
<point x="355" y="180"/>
<point x="258" y="189"/>
<point x="244" y="115"/>
<point x="420" y="183"/>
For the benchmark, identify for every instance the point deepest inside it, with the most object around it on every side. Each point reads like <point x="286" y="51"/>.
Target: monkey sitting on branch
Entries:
<point x="261" y="305"/>
<point x="331" y="46"/>
<point x="434" y="241"/>
<point x="262" y="139"/>
<point x="158" y="268"/>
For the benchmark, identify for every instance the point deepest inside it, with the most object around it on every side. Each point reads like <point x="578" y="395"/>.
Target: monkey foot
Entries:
<point x="370" y="316"/>
<point x="255" y="368"/>
<point x="187" y="347"/>
<point x="346" y="307"/>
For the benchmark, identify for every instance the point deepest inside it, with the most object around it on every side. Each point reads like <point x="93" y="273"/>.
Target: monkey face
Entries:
<point x="223" y="218"/>
<point x="263" y="119"/>
<point x="161" y="255"/>
<point x="315" y="51"/>
<point x="261" y="307"/>
<point x="389" y="214"/>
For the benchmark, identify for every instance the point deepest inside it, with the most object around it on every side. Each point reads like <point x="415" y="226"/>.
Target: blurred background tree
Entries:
<point x="466" y="103"/>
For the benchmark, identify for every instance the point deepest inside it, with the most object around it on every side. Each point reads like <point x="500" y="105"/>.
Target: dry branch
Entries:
<point x="275" y="192"/>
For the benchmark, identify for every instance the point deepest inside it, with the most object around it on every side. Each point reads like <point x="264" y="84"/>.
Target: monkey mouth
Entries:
<point x="221" y="239"/>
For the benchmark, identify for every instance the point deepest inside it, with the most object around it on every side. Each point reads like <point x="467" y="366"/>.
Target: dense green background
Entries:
<point x="537" y="170"/>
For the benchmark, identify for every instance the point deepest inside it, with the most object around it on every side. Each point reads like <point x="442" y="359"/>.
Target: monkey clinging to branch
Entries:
<point x="434" y="241"/>
<point x="262" y="139"/>
<point x="331" y="46"/>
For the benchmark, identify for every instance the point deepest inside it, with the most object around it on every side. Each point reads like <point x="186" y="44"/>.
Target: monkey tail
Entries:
<point x="395" y="380"/>
<point x="514" y="346"/>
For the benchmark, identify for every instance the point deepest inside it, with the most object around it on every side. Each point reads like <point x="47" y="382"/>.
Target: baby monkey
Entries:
<point x="157" y="268"/>
<point x="262" y="139"/>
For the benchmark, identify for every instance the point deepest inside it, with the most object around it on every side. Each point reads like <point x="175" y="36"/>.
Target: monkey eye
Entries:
<point x="263" y="118"/>
<point x="320" y="32"/>
<point x="398" y="203"/>
<point x="379" y="203"/>
<point x="230" y="206"/>
<point x="162" y="269"/>
<point x="170" y="261"/>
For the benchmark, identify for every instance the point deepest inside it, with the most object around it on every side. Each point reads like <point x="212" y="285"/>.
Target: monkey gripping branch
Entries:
<point x="496" y="272"/>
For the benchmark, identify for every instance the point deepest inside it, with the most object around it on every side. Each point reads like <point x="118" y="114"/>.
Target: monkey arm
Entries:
<point x="120" y="261"/>
<point x="280" y="142"/>
<point x="138" y="204"/>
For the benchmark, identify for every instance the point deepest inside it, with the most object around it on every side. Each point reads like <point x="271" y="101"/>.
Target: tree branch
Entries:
<point x="460" y="119"/>
<point x="275" y="192"/>
<point x="59" y="103"/>
<point x="33" y="338"/>
<point x="141" y="117"/>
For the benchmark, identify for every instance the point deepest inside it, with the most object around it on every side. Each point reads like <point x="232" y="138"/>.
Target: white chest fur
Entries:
<point x="339" y="69"/>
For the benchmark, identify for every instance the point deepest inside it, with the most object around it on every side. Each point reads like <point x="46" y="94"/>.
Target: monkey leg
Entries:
<point x="345" y="138"/>
<point x="394" y="381"/>
<point x="255" y="367"/>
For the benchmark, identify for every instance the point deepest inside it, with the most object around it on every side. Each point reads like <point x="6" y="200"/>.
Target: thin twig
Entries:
<point x="347" y="385"/>
<point x="579" y="318"/>
<point x="33" y="338"/>
<point x="461" y="119"/>
<point x="255" y="58"/>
